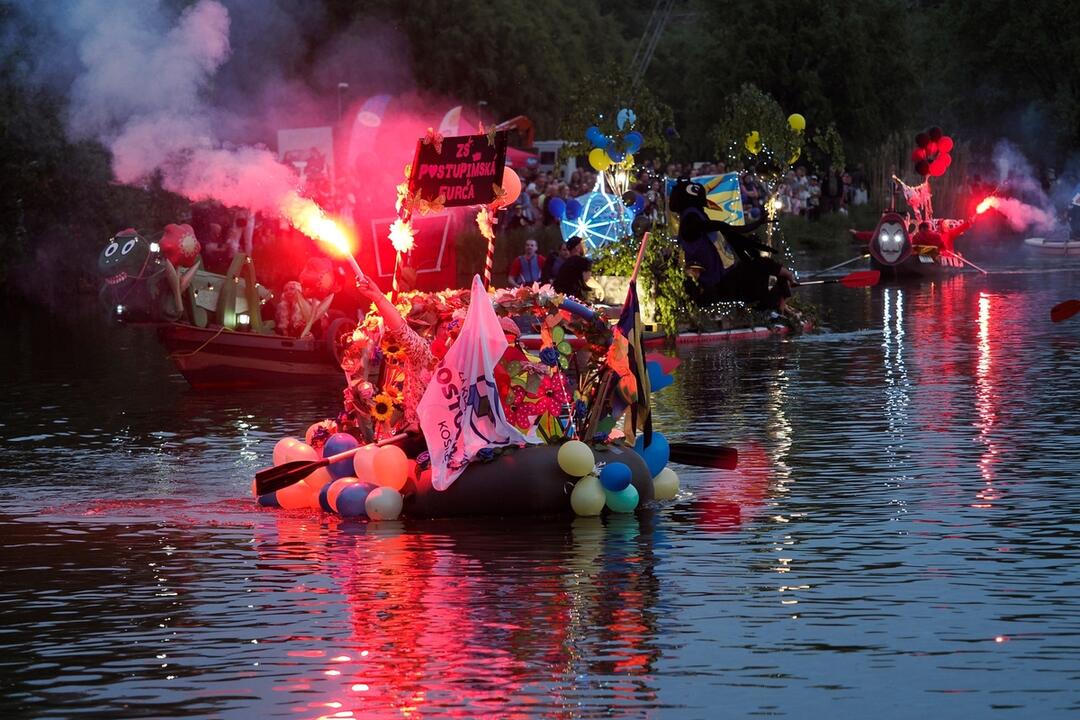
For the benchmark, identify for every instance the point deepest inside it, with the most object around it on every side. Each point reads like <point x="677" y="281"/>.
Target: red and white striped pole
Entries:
<point x="489" y="261"/>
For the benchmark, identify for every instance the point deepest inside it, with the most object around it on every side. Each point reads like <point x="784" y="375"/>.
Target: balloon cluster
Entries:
<point x="931" y="154"/>
<point x="609" y="487"/>
<point x="564" y="209"/>
<point x="366" y="485"/>
<point x="753" y="144"/>
<point x="618" y="151"/>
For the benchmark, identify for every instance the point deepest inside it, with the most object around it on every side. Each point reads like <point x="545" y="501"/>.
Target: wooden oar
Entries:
<point x="857" y="279"/>
<point x="1064" y="310"/>
<point x="968" y="262"/>
<point x="714" y="456"/>
<point x="838" y="265"/>
<point x="274" y="478"/>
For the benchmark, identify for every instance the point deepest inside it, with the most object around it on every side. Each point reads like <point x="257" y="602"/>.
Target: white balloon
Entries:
<point x="383" y="503"/>
<point x="666" y="484"/>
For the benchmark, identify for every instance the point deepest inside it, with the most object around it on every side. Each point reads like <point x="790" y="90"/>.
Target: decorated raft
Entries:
<point x="548" y="402"/>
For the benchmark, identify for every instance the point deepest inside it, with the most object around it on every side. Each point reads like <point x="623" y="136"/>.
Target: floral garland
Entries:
<point x="536" y="389"/>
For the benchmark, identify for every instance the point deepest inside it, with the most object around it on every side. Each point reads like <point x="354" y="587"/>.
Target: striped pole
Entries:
<point x="489" y="261"/>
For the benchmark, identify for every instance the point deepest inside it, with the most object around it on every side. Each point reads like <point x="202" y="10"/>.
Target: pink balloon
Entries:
<point x="297" y="495"/>
<point x="511" y="183"/>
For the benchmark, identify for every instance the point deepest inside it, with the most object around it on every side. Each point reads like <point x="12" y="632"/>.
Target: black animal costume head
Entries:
<point x="685" y="195"/>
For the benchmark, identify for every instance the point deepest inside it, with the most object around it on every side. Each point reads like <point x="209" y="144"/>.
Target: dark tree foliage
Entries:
<point x="985" y="69"/>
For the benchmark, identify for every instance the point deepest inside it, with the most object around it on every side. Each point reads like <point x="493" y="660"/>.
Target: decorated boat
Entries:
<point x="549" y="432"/>
<point x="895" y="252"/>
<point x="212" y="325"/>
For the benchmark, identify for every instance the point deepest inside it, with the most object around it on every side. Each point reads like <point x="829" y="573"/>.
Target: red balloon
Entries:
<point x="921" y="139"/>
<point x="931" y="148"/>
<point x="922" y="167"/>
<point x="511" y="184"/>
<point x="937" y="168"/>
<point x="934" y="133"/>
<point x="918" y="154"/>
<point x="947" y="159"/>
<point x="945" y="144"/>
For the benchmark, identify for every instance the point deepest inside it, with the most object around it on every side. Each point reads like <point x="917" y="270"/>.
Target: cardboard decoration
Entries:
<point x="462" y="170"/>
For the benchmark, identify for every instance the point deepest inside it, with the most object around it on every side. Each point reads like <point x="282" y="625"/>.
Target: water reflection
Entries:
<point x="897" y="540"/>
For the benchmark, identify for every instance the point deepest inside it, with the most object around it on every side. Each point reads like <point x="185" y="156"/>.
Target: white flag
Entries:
<point x="461" y="412"/>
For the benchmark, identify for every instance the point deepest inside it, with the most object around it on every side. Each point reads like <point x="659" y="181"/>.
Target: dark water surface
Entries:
<point x="899" y="541"/>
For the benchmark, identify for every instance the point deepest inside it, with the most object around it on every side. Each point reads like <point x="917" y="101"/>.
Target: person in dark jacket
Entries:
<point x="575" y="271"/>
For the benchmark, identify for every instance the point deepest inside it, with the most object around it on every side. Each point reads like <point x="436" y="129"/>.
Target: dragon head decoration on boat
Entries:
<point x="890" y="243"/>
<point x="135" y="289"/>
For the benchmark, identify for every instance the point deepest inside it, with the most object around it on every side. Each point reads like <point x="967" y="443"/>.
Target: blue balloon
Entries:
<point x="338" y="443"/>
<point x="269" y="500"/>
<point x="324" y="501"/>
<point x="615" y="476"/>
<point x="556" y="207"/>
<point x="639" y="204"/>
<point x="634" y="141"/>
<point x="626" y="115"/>
<point x="658" y="379"/>
<point x="617" y="156"/>
<point x="656" y="455"/>
<point x="350" y="501"/>
<point x="595" y="137"/>
<point x="573" y="209"/>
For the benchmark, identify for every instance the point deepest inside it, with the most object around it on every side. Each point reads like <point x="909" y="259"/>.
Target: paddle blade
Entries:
<point x="714" y="456"/>
<point x="1064" y="310"/>
<point x="272" y="479"/>
<point x="861" y="278"/>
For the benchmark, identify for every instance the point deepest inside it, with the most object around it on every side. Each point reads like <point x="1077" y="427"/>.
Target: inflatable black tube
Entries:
<point x="528" y="481"/>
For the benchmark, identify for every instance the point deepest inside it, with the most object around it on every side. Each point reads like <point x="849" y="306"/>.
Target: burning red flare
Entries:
<point x="310" y="219"/>
<point x="987" y="202"/>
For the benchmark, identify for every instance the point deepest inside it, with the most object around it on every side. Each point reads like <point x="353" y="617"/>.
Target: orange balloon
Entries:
<point x="281" y="449"/>
<point x="511" y="183"/>
<point x="301" y="451"/>
<point x="317" y="479"/>
<point x="297" y="495"/>
<point x="391" y="467"/>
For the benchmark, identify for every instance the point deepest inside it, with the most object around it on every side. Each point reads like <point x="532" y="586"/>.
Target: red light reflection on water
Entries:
<point x="447" y="623"/>
<point x="728" y="498"/>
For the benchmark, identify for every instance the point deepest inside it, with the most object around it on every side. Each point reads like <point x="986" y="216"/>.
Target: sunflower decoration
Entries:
<point x="382" y="407"/>
<point x="393" y="351"/>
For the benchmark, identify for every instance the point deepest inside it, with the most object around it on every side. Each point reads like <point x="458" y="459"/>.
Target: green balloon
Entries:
<point x="624" y="501"/>
<point x="588" y="497"/>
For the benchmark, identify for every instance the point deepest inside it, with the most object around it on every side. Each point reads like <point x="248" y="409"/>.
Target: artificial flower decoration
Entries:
<point x="382" y="408"/>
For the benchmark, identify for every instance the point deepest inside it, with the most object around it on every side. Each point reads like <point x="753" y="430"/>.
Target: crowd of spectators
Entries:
<point x="802" y="191"/>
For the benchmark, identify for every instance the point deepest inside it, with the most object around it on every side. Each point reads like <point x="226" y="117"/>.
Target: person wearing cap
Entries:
<point x="575" y="272"/>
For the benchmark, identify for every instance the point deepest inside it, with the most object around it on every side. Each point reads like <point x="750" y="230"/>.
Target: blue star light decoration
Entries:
<point x="604" y="219"/>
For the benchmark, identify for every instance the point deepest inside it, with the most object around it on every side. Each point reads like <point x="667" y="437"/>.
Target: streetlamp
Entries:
<point x="341" y="87"/>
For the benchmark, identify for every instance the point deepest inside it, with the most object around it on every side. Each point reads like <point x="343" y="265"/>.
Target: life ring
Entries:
<point x="337" y="328"/>
<point x="527" y="481"/>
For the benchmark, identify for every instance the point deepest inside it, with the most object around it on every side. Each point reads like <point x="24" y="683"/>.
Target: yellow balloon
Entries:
<point x="391" y="467"/>
<point x="795" y="157"/>
<point x="383" y="503"/>
<point x="666" y="484"/>
<point x="588" y="497"/>
<point x="576" y="458"/>
<point x="753" y="142"/>
<point x="599" y="159"/>
<point x="628" y="162"/>
<point x="797" y="122"/>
